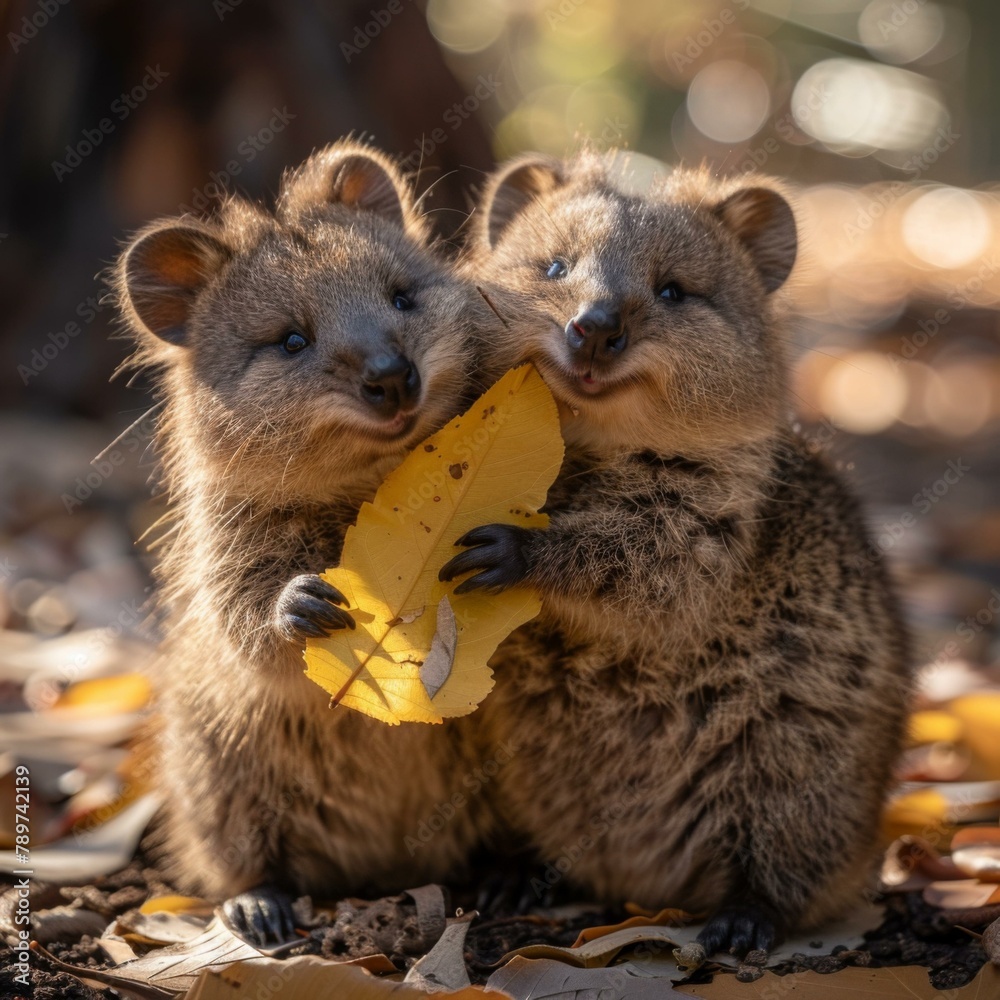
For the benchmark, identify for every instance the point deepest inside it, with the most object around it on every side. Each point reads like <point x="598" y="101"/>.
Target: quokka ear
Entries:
<point x="355" y="176"/>
<point x="511" y="189"/>
<point x="763" y="222"/>
<point x="161" y="273"/>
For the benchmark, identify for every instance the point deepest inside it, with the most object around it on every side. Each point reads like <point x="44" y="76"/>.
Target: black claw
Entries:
<point x="491" y="580"/>
<point x="307" y="609"/>
<point x="295" y="627"/>
<point x="318" y="587"/>
<point x="740" y="929"/>
<point x="482" y="535"/>
<point x="498" y="552"/>
<point x="263" y="916"/>
<point x="519" y="888"/>
<point x="462" y="563"/>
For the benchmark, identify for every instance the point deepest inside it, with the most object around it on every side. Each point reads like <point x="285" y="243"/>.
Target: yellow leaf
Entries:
<point x="107" y="695"/>
<point x="934" y="727"/>
<point x="177" y="904"/>
<point x="419" y="652"/>
<point x="979" y="714"/>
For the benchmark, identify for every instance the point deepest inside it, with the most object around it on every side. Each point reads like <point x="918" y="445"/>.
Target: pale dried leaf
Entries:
<point x="598" y="952"/>
<point x="524" y="979"/>
<point x="443" y="967"/>
<point x="431" y="912"/>
<point x="175" y="968"/>
<point x="991" y="942"/>
<point x="310" y="978"/>
<point x="66" y="923"/>
<point x="161" y="928"/>
<point x="436" y="669"/>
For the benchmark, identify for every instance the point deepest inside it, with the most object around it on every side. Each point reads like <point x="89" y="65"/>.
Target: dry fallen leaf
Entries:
<point x="309" y="978"/>
<point x="940" y="806"/>
<point x="961" y="894"/>
<point x="664" y="918"/>
<point x="103" y="696"/>
<point x="602" y="950"/>
<point x="909" y="982"/>
<point x="991" y="942"/>
<point x="976" y="851"/>
<point x="979" y="714"/>
<point x="419" y="651"/>
<point x="443" y="967"/>
<point x="543" y="979"/>
<point x="175" y="968"/>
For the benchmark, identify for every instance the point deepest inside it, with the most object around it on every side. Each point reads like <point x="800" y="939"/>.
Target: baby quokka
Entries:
<point x="299" y="354"/>
<point x="716" y="660"/>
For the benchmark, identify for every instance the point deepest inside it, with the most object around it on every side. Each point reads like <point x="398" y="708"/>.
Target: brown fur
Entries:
<point x="266" y="459"/>
<point x="710" y="702"/>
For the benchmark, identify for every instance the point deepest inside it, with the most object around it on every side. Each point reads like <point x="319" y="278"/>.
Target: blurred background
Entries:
<point x="881" y="114"/>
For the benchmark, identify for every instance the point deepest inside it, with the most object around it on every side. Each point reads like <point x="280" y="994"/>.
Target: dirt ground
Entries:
<point x="912" y="933"/>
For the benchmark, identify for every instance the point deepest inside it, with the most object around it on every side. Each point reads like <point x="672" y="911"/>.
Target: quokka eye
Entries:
<point x="671" y="292"/>
<point x="293" y="342"/>
<point x="557" y="269"/>
<point x="401" y="301"/>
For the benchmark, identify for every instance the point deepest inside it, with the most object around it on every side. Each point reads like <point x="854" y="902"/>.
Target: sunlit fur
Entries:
<point x="709" y="705"/>
<point x="266" y="459"/>
<point x="697" y="374"/>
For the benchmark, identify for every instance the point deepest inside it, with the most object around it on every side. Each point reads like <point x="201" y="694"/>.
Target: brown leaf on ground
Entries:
<point x="311" y="977"/>
<point x="664" y="918"/>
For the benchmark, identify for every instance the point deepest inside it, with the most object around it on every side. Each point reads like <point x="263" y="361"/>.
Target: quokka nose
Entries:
<point x="390" y="383"/>
<point x="596" y="331"/>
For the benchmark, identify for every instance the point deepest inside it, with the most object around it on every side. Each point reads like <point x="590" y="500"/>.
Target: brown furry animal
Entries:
<point x="300" y="354"/>
<point x="710" y="702"/>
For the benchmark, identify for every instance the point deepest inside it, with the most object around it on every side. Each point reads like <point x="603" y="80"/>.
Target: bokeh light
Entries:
<point x="858" y="107"/>
<point x="947" y="227"/>
<point x="863" y="393"/>
<point x="466" y="27"/>
<point x="896" y="35"/>
<point x="728" y="101"/>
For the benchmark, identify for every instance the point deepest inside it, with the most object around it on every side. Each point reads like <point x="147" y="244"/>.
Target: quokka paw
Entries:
<point x="498" y="551"/>
<point x="307" y="609"/>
